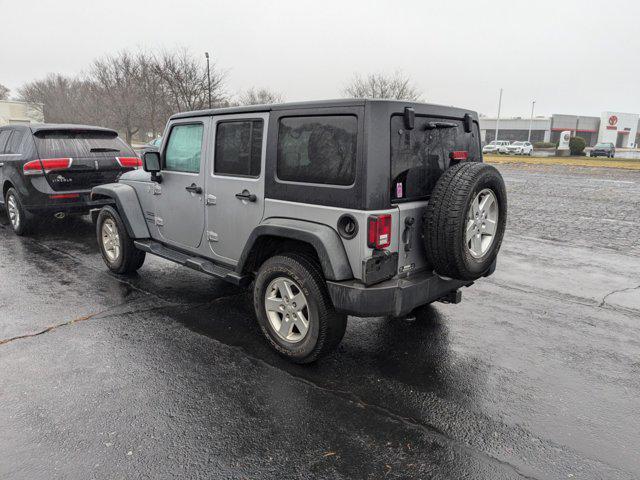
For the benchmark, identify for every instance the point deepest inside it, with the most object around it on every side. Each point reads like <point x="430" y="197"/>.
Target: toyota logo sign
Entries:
<point x="613" y="120"/>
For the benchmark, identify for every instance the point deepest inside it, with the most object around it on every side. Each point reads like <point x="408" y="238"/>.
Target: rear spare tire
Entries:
<point x="465" y="220"/>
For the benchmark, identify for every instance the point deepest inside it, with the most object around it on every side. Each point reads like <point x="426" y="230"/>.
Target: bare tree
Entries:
<point x="135" y="93"/>
<point x="65" y="99"/>
<point x="378" y="85"/>
<point x="185" y="80"/>
<point x="260" y="96"/>
<point x="4" y="92"/>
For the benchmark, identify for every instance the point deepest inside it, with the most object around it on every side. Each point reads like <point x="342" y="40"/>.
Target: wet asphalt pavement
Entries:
<point x="536" y="374"/>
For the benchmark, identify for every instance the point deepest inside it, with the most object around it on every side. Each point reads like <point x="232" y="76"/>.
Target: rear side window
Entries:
<point x="421" y="155"/>
<point x="238" y="148"/>
<point x="4" y="136"/>
<point x="318" y="149"/>
<point x="13" y="146"/>
<point x="79" y="144"/>
<point x="184" y="148"/>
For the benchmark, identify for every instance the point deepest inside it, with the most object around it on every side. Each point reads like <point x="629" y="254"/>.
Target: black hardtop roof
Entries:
<point x="47" y="127"/>
<point x="348" y="102"/>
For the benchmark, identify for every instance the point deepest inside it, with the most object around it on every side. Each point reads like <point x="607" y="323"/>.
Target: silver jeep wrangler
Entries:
<point x="329" y="209"/>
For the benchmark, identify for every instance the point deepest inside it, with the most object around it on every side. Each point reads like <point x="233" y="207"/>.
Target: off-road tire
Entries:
<point x="326" y="326"/>
<point x="446" y="220"/>
<point x="26" y="219"/>
<point x="130" y="258"/>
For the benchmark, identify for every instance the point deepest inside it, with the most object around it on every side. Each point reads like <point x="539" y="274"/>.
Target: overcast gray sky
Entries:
<point x="571" y="56"/>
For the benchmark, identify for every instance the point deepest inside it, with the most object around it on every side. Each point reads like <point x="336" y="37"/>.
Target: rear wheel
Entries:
<point x="117" y="248"/>
<point x="21" y="221"/>
<point x="294" y="310"/>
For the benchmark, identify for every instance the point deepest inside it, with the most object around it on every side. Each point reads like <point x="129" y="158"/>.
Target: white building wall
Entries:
<point x="20" y="112"/>
<point x="614" y="123"/>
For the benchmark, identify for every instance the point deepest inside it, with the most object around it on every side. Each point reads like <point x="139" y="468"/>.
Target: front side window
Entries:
<point x="184" y="148"/>
<point x="420" y="156"/>
<point x="318" y="149"/>
<point x="238" y="148"/>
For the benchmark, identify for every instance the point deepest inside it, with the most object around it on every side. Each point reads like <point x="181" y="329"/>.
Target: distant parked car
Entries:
<point x="51" y="169"/>
<point x="152" y="146"/>
<point x="520" y="148"/>
<point x="497" y="146"/>
<point x="603" y="150"/>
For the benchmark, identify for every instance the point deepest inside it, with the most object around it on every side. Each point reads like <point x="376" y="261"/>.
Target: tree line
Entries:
<point x="136" y="92"/>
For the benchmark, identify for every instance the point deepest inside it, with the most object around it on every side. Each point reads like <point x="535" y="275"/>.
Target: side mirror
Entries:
<point x="409" y="118"/>
<point x="151" y="164"/>
<point x="468" y="123"/>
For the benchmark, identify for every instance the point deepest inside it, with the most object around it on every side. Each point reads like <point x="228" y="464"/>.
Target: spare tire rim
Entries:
<point x="110" y="240"/>
<point x="287" y="309"/>
<point x="482" y="223"/>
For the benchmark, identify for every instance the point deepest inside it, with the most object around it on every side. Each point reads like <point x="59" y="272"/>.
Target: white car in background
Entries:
<point x="497" y="146"/>
<point x="520" y="148"/>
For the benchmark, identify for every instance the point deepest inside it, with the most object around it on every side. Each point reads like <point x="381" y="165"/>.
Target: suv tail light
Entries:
<point x="379" y="231"/>
<point x="129" y="162"/>
<point x="37" y="167"/>
<point x="459" y="155"/>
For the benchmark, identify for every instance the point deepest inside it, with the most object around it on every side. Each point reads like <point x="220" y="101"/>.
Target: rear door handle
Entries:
<point x="193" y="188"/>
<point x="245" y="195"/>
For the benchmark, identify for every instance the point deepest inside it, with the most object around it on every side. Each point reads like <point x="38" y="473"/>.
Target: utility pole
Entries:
<point x="206" y="54"/>
<point x="533" y="105"/>
<point x="498" y="119"/>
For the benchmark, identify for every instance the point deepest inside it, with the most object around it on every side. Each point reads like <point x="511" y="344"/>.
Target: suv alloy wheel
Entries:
<point x="117" y="248"/>
<point x="294" y="310"/>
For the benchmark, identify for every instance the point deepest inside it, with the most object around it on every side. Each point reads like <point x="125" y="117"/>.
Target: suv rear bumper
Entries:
<point x="396" y="297"/>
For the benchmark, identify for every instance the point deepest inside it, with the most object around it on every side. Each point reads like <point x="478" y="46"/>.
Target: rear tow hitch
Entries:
<point x="451" y="297"/>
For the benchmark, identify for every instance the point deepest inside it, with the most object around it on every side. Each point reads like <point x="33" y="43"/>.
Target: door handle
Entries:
<point x="245" y="195"/>
<point x="193" y="188"/>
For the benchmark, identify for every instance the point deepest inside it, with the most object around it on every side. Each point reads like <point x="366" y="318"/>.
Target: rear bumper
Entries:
<point x="395" y="297"/>
<point x="83" y="204"/>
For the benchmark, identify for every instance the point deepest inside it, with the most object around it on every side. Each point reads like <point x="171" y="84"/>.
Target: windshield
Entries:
<point x="79" y="144"/>
<point x="420" y="156"/>
<point x="517" y="144"/>
<point x="602" y="145"/>
<point x="493" y="143"/>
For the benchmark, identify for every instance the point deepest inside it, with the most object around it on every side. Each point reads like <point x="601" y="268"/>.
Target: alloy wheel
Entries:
<point x="13" y="211"/>
<point x="482" y="223"/>
<point x="110" y="240"/>
<point x="287" y="309"/>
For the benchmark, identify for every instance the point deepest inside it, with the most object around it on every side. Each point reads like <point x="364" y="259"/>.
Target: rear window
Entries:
<point x="79" y="144"/>
<point x="320" y="149"/>
<point x="421" y="155"/>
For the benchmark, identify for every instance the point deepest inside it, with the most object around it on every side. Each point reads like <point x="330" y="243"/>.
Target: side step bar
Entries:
<point x="196" y="263"/>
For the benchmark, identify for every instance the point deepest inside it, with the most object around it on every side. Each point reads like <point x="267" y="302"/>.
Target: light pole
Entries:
<point x="206" y="54"/>
<point x="498" y="119"/>
<point x="533" y="105"/>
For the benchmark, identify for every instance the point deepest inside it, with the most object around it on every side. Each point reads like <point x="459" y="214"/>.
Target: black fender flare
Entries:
<point x="128" y="206"/>
<point x="325" y="240"/>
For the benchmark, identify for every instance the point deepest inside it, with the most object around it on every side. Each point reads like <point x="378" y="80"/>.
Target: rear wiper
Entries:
<point x="104" y="149"/>
<point x="434" y="125"/>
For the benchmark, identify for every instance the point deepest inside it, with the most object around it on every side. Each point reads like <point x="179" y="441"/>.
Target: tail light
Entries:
<point x="61" y="196"/>
<point x="129" y="162"/>
<point x="37" y="167"/>
<point x="459" y="155"/>
<point x="379" y="231"/>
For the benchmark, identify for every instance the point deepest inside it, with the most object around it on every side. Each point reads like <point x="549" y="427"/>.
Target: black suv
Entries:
<point x="50" y="169"/>
<point x="603" y="150"/>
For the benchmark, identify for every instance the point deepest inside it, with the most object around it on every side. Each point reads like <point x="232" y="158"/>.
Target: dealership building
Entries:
<point x="621" y="129"/>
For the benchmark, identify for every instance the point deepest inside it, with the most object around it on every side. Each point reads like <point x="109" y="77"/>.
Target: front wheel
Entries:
<point x="117" y="248"/>
<point x="294" y="310"/>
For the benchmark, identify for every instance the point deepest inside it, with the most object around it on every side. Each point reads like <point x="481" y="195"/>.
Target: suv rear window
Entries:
<point x="320" y="149"/>
<point x="79" y="144"/>
<point x="421" y="155"/>
<point x="238" y="148"/>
